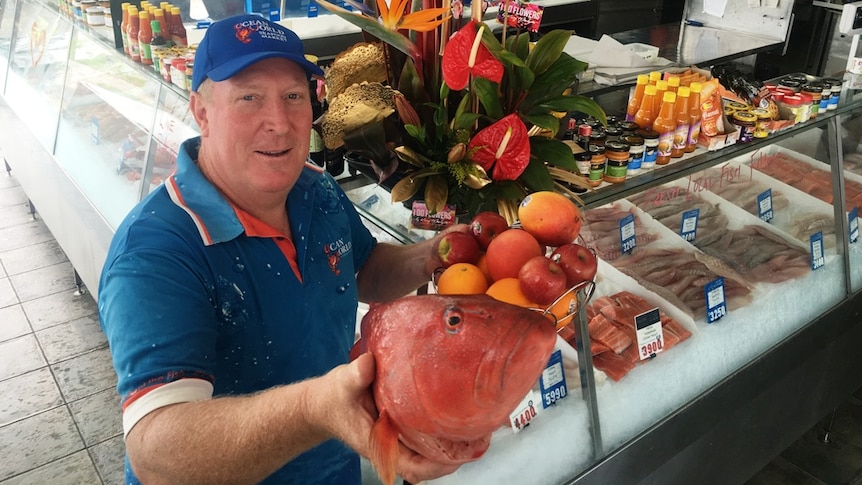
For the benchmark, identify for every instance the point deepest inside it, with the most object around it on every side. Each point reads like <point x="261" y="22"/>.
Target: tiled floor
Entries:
<point x="59" y="412"/>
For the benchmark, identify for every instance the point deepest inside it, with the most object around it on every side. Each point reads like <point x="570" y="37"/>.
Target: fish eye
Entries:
<point x="452" y="318"/>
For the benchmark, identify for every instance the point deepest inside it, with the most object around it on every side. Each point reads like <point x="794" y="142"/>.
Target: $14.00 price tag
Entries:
<point x="524" y="413"/>
<point x="716" y="307"/>
<point x="650" y="335"/>
<point x="627" y="233"/>
<point x="854" y="225"/>
<point x="552" y="382"/>
<point x="764" y="205"/>
<point x="817" y="257"/>
<point x="688" y="228"/>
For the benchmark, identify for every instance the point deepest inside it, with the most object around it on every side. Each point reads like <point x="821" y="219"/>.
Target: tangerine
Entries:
<point x="483" y="265"/>
<point x="462" y="279"/>
<point x="563" y="311"/>
<point x="509" y="290"/>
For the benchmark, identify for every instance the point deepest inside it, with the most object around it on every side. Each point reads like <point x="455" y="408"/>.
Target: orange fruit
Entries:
<point x="462" y="279"/>
<point x="483" y="265"/>
<point x="509" y="290"/>
<point x="564" y="310"/>
<point x="552" y="218"/>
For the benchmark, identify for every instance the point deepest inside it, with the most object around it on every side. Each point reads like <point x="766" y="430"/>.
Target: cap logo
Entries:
<point x="244" y="30"/>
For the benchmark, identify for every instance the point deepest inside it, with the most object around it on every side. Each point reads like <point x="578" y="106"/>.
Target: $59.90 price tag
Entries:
<point x="764" y="205"/>
<point x="854" y="225"/>
<point x="649" y="332"/>
<point x="627" y="233"/>
<point x="688" y="227"/>
<point x="524" y="412"/>
<point x="716" y="307"/>
<point x="817" y="257"/>
<point x="552" y="382"/>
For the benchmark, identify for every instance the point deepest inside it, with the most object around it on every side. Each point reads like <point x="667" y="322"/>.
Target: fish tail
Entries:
<point x="384" y="448"/>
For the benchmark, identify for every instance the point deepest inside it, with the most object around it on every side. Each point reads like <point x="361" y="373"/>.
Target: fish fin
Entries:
<point x="384" y="448"/>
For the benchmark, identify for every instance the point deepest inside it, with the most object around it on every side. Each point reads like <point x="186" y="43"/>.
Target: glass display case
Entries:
<point x="791" y="272"/>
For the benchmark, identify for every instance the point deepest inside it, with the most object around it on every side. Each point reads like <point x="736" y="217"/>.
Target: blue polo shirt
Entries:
<point x="199" y="299"/>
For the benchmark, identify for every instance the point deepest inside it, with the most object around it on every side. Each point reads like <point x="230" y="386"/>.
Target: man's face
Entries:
<point x="255" y="128"/>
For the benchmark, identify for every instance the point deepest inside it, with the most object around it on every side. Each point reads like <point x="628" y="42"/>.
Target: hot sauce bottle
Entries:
<point x="646" y="114"/>
<point x="665" y="125"/>
<point x="694" y="116"/>
<point x="145" y="36"/>
<point x="178" y="30"/>
<point x="124" y="27"/>
<point x="680" y="138"/>
<point x="134" y="27"/>
<point x="637" y="97"/>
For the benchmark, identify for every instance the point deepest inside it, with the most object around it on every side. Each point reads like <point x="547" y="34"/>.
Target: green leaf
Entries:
<point x="551" y="84"/>
<point x="466" y="120"/>
<point x="413" y="131"/>
<point x="410" y="83"/>
<point x="547" y="50"/>
<point x="552" y="151"/>
<point x="486" y="92"/>
<point x="546" y="121"/>
<point x="374" y="28"/>
<point x="524" y="78"/>
<point x="536" y="177"/>
<point x="575" y="103"/>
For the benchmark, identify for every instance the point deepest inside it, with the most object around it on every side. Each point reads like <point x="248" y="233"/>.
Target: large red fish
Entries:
<point x="450" y="369"/>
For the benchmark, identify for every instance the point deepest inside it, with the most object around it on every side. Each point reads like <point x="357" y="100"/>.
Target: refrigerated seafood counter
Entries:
<point x="88" y="134"/>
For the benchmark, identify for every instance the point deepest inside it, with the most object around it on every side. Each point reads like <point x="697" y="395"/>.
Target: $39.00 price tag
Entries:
<point x="524" y="412"/>
<point x="817" y="257"/>
<point x="854" y="225"/>
<point x="716" y="307"/>
<point x="688" y="227"/>
<point x="552" y="382"/>
<point x="627" y="233"/>
<point x="764" y="205"/>
<point x="650" y="334"/>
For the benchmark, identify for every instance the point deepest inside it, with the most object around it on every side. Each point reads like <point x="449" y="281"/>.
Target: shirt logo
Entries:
<point x="244" y="31"/>
<point x="334" y="251"/>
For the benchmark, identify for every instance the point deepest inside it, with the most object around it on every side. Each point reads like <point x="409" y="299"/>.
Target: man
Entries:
<point x="229" y="294"/>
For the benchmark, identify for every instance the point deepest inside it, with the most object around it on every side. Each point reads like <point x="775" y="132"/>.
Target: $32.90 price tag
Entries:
<point x="649" y="332"/>
<point x="627" y="233"/>
<point x="688" y="227"/>
<point x="854" y="225"/>
<point x="552" y="382"/>
<point x="817" y="257"/>
<point x="716" y="307"/>
<point x="524" y="413"/>
<point x="764" y="205"/>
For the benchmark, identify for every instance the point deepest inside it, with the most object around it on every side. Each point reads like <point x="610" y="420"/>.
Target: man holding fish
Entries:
<point x="229" y="294"/>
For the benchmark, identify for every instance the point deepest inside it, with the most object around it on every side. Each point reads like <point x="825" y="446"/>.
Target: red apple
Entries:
<point x="458" y="247"/>
<point x="578" y="263"/>
<point x="542" y="280"/>
<point x="486" y="226"/>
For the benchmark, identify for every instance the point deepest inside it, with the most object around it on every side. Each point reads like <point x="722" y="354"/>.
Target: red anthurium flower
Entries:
<point x="505" y="146"/>
<point x="465" y="55"/>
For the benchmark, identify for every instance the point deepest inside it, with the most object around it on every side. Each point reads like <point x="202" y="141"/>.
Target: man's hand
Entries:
<point x="434" y="262"/>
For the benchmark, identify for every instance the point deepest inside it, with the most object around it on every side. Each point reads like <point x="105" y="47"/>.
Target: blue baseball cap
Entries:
<point x="232" y="44"/>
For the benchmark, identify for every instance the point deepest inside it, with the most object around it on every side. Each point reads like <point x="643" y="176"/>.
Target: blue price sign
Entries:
<point x="854" y="225"/>
<point x="552" y="382"/>
<point x="764" y="205"/>
<point x="716" y="306"/>
<point x="627" y="233"/>
<point x="688" y="227"/>
<point x="818" y="259"/>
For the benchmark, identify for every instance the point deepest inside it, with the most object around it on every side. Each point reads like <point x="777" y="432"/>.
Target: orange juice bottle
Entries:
<point x="665" y="125"/>
<point x="683" y="112"/>
<point x="637" y="97"/>
<point x="660" y="89"/>
<point x="646" y="114"/>
<point x="694" y="116"/>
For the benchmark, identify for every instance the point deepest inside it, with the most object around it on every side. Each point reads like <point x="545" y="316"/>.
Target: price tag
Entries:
<point x="552" y="382"/>
<point x="627" y="233"/>
<point x="716" y="307"/>
<point x="524" y="413"/>
<point x="817" y="257"/>
<point x="650" y="334"/>
<point x="688" y="228"/>
<point x="764" y="205"/>
<point x="854" y="225"/>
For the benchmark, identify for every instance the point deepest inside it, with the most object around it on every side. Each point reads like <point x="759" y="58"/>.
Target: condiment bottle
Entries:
<point x="816" y="93"/>
<point x="145" y="36"/>
<point x="646" y="114"/>
<point x="654" y="77"/>
<point x="660" y="89"/>
<point x="636" y="97"/>
<point x="582" y="161"/>
<point x="158" y="46"/>
<point x="134" y="27"/>
<point x="583" y="137"/>
<point x="665" y="125"/>
<point x="617" y="161"/>
<point x="650" y="147"/>
<point x="694" y="116"/>
<point x="124" y="27"/>
<point x="598" y="160"/>
<point x="673" y="84"/>
<point x="745" y="122"/>
<point x="178" y="30"/>
<point x="166" y="32"/>
<point x="159" y="14"/>
<point x="636" y="152"/>
<point x="683" y="113"/>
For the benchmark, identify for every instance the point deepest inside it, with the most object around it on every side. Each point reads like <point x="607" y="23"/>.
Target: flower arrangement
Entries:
<point x="468" y="120"/>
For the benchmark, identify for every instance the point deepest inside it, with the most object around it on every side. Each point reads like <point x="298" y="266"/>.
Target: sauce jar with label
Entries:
<point x="613" y="133"/>
<point x="650" y="147"/>
<point x="790" y="108"/>
<point x="598" y="136"/>
<point x="598" y="160"/>
<point x="629" y="127"/>
<point x="816" y="93"/>
<point x="617" y="161"/>
<point x="805" y="108"/>
<point x="582" y="161"/>
<point x="636" y="152"/>
<point x="764" y="118"/>
<point x="745" y="122"/>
